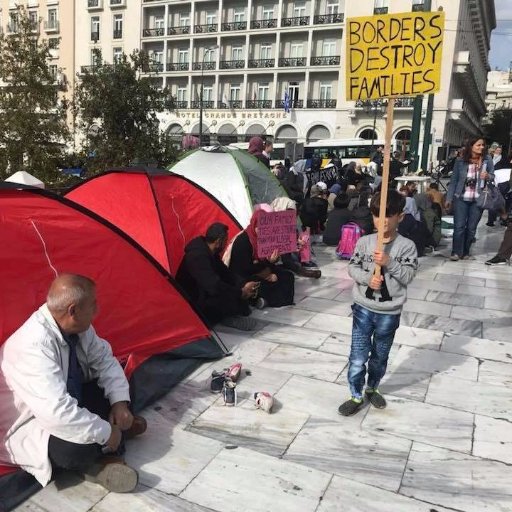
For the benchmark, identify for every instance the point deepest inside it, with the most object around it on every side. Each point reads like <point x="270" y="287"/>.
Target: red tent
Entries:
<point x="159" y="210"/>
<point x="151" y="326"/>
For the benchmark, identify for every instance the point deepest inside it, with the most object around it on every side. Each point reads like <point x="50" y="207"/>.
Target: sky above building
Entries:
<point x="501" y="39"/>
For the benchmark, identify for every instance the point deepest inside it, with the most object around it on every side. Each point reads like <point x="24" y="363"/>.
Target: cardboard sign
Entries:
<point x="394" y="55"/>
<point x="277" y="230"/>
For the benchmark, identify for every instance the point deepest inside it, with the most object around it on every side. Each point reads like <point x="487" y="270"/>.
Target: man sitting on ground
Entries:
<point x="219" y="293"/>
<point x="64" y="396"/>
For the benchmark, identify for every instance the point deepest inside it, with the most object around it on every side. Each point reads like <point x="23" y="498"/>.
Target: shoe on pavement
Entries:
<point x="497" y="260"/>
<point x="490" y="224"/>
<point x="351" y="406"/>
<point x="310" y="272"/>
<point x="260" y="303"/>
<point x="264" y="400"/>
<point x="229" y="392"/>
<point x="454" y="257"/>
<point x="217" y="382"/>
<point x="242" y="323"/>
<point x="113" y="474"/>
<point x="233" y="372"/>
<point x="375" y="398"/>
<point x="139" y="426"/>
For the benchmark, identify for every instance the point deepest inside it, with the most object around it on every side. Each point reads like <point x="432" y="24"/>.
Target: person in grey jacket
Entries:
<point x="378" y="302"/>
<point x="470" y="174"/>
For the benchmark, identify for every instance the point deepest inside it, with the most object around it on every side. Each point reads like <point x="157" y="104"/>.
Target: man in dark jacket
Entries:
<point x="218" y="293"/>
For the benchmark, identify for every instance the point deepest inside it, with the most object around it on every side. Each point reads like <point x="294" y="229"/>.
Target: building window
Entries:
<point x="182" y="56"/>
<point x="53" y="69"/>
<point x="239" y="15"/>
<point x="237" y="53"/>
<point x="118" y="26"/>
<point x="268" y="12"/>
<point x="296" y="50"/>
<point x="32" y="16"/>
<point x="266" y="51"/>
<point x="211" y="17"/>
<point x="184" y="19"/>
<point x="208" y="56"/>
<point x="117" y="54"/>
<point x="181" y="95"/>
<point x="380" y="4"/>
<point x="158" y="22"/>
<point x="332" y="7"/>
<point x="328" y="48"/>
<point x="325" y="90"/>
<point x="53" y="43"/>
<point x="299" y="9"/>
<point x="95" y="58"/>
<point x="234" y="92"/>
<point x="53" y="18"/>
<point x="293" y="91"/>
<point x="263" y="91"/>
<point x="207" y="93"/>
<point x="157" y="57"/>
<point x="95" y="28"/>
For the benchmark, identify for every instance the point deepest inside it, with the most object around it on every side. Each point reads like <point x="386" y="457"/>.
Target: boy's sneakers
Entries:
<point x="218" y="378"/>
<point x="264" y="401"/>
<point x="351" y="406"/>
<point x="229" y="392"/>
<point x="375" y="398"/>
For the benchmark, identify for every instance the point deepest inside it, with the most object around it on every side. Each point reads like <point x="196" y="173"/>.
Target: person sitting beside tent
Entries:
<point x="220" y="295"/>
<point x="313" y="212"/>
<point x="277" y="285"/>
<point x="336" y="219"/>
<point x="256" y="148"/>
<point x="64" y="395"/>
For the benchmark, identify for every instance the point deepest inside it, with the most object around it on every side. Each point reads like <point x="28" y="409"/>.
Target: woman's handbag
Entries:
<point x="490" y="198"/>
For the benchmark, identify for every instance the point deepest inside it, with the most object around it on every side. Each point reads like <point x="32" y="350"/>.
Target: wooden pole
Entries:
<point x="385" y="180"/>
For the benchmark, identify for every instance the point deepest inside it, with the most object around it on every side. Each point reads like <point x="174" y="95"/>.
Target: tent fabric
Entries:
<point x="236" y="178"/>
<point x="24" y="178"/>
<point x="161" y="211"/>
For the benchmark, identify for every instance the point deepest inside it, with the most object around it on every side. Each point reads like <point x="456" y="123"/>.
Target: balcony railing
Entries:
<point x="322" y="19"/>
<point x="333" y="60"/>
<point x="153" y="32"/>
<point x="181" y="104"/>
<point x="95" y="4"/>
<point x="117" y="34"/>
<point x="295" y="22"/>
<point x="210" y="27"/>
<point x="261" y="63"/>
<point x="89" y="69"/>
<point x="172" y="31"/>
<point x="264" y="23"/>
<point x="258" y="104"/>
<point x="294" y="62"/>
<point x="380" y="10"/>
<point x="321" y="103"/>
<point x="293" y="103"/>
<point x="418" y="7"/>
<point x="95" y="36"/>
<point x="404" y="102"/>
<point x="177" y="66"/>
<point x="232" y="64"/>
<point x="51" y="26"/>
<point x="208" y="66"/>
<point x="231" y="104"/>
<point x="206" y="104"/>
<point x="235" y="25"/>
<point x="153" y="67"/>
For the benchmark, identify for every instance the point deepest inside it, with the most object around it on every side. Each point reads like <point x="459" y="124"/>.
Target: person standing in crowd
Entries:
<point x="396" y="167"/>
<point x="497" y="157"/>
<point x="378" y="302"/>
<point x="64" y="395"/>
<point x="378" y="159"/>
<point x="256" y="148"/>
<point x="470" y="174"/>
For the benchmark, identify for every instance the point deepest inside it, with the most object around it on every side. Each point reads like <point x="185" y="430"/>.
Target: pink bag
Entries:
<point x="350" y="234"/>
<point x="305" y="246"/>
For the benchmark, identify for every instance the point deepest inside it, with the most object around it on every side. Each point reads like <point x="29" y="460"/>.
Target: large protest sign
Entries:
<point x="394" y="55"/>
<point x="277" y="231"/>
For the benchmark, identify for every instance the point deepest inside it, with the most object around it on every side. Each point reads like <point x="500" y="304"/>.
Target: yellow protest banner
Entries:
<point x="394" y="55"/>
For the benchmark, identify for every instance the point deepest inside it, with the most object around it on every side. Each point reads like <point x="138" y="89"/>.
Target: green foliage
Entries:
<point x="116" y="107"/>
<point x="33" y="130"/>
<point x="499" y="128"/>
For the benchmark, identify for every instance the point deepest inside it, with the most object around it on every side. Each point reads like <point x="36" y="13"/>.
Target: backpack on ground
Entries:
<point x="350" y="234"/>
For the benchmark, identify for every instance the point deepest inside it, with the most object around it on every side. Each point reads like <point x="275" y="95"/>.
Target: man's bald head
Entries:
<point x="67" y="290"/>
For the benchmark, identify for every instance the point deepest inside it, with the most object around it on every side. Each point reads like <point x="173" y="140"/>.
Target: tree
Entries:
<point x="116" y="107"/>
<point x="499" y="128"/>
<point x="33" y="130"/>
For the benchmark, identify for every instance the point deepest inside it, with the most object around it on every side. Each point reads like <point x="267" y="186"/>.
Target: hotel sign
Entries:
<point x="223" y="114"/>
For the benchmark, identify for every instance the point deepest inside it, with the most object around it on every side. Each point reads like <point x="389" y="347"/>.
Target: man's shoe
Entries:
<point x="242" y="323"/>
<point x="497" y="261"/>
<point x="139" y="426"/>
<point x="310" y="272"/>
<point x="490" y="224"/>
<point x="454" y="257"/>
<point x="375" y="398"/>
<point x="113" y="474"/>
<point x="350" y="407"/>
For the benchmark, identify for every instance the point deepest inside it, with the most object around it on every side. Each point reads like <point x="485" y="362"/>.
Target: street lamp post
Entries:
<point x="374" y="106"/>
<point x="206" y="52"/>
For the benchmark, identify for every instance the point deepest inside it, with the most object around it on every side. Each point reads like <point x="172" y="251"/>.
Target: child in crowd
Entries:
<point x="378" y="302"/>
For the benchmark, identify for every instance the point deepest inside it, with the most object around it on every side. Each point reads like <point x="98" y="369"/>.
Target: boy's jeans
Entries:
<point x="367" y="325"/>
